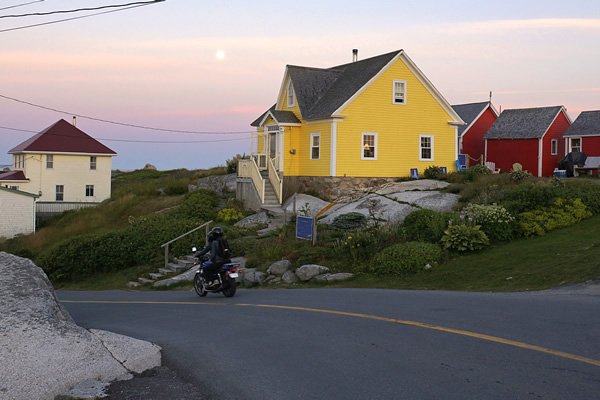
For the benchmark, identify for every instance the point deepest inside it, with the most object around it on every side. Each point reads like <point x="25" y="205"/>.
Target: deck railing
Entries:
<point x="249" y="169"/>
<point x="275" y="179"/>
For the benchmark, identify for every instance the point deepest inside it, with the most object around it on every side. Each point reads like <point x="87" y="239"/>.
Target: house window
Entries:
<point x="315" y="146"/>
<point x="12" y="187"/>
<point x="19" y="161"/>
<point x="399" y="92"/>
<point x="576" y="144"/>
<point x="425" y="148"/>
<point x="92" y="162"/>
<point x="290" y="95"/>
<point x="49" y="161"/>
<point x="554" y="147"/>
<point x="60" y="192"/>
<point x="89" y="190"/>
<point x="369" y="146"/>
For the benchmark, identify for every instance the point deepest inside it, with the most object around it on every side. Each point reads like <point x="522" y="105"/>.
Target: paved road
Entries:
<point x="364" y="343"/>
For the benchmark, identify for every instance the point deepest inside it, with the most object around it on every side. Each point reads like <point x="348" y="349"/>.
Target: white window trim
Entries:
<point x="93" y="163"/>
<point x="292" y="97"/>
<point x="49" y="161"/>
<point x="421" y="148"/>
<point x="394" y="92"/>
<point x="312" y="135"/>
<point x="554" y="147"/>
<point x="362" y="143"/>
<point x="89" y="188"/>
<point x="571" y="144"/>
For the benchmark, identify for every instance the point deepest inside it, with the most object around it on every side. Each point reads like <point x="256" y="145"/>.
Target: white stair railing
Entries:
<point x="275" y="179"/>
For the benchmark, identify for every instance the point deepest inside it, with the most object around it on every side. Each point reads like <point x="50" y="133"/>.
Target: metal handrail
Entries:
<point x="166" y="245"/>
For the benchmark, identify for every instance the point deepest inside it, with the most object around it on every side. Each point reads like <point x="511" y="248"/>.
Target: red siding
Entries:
<point x="590" y="145"/>
<point x="473" y="143"/>
<point x="506" y="152"/>
<point x="556" y="131"/>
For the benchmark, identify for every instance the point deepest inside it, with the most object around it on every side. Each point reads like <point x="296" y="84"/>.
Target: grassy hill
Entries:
<point x="106" y="246"/>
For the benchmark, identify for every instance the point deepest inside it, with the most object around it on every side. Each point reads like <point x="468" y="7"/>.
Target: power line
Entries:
<point x="129" y="125"/>
<point x="73" y="18"/>
<point x="79" y="9"/>
<point x="21" y="5"/>
<point x="137" y="141"/>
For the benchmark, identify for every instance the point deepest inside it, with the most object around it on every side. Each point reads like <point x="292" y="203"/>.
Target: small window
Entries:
<point x="290" y="95"/>
<point x="426" y="148"/>
<point x="576" y="144"/>
<point x="554" y="147"/>
<point x="315" y="146"/>
<point x="369" y="146"/>
<point x="399" y="92"/>
<point x="49" y="161"/>
<point x="60" y="192"/>
<point x="89" y="190"/>
<point x="92" y="162"/>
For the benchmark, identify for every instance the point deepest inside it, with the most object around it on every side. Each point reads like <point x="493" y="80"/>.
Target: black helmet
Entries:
<point x="215" y="233"/>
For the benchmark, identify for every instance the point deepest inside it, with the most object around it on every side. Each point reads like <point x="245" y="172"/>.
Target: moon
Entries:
<point x="220" y="54"/>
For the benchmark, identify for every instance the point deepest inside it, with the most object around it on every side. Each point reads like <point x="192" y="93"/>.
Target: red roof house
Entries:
<point x="479" y="118"/>
<point x="532" y="137"/>
<point x="62" y="137"/>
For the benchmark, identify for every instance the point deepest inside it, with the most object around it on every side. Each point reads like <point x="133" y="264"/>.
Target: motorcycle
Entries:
<point x="226" y="279"/>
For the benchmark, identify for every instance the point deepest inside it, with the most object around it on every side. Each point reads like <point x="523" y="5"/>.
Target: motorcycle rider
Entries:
<point x="218" y="257"/>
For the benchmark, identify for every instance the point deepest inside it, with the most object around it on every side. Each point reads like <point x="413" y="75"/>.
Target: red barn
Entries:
<point x="532" y="137"/>
<point x="584" y="134"/>
<point x="478" y="117"/>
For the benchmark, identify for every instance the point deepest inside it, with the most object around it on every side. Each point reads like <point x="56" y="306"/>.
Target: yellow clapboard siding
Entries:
<point x="398" y="128"/>
<point x="300" y="164"/>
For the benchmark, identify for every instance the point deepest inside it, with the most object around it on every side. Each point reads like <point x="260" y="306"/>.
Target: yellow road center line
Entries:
<point x="424" y="325"/>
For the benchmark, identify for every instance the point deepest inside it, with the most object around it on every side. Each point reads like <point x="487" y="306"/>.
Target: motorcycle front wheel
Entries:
<point x="229" y="291"/>
<point x="199" y="286"/>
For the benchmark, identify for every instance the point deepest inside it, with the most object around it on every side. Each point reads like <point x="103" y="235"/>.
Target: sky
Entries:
<point x="210" y="67"/>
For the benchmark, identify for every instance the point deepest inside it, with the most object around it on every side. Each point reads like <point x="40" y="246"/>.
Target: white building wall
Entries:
<point x="18" y="213"/>
<point x="71" y="171"/>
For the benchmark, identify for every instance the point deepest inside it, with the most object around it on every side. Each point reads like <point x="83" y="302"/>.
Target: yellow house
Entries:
<point x="62" y="165"/>
<point x="345" y="126"/>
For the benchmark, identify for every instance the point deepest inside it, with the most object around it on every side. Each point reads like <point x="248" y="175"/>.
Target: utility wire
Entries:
<point x="73" y="18"/>
<point x="122" y="123"/>
<point x="80" y="9"/>
<point x="136" y="141"/>
<point x="20" y="5"/>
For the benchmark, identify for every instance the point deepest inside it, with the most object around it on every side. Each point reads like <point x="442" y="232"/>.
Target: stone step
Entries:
<point x="145" y="280"/>
<point x="155" y="276"/>
<point x="165" y="271"/>
<point x="176" y="267"/>
<point x="133" y="284"/>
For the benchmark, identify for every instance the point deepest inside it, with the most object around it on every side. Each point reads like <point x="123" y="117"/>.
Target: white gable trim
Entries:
<point x="562" y="110"/>
<point x="479" y="116"/>
<point x="456" y="120"/>
<point x="270" y="114"/>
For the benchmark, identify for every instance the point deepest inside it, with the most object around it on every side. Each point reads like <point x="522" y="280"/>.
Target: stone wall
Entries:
<point x="329" y="188"/>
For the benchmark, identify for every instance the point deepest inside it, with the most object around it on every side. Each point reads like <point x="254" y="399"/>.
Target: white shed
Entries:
<point x="17" y="212"/>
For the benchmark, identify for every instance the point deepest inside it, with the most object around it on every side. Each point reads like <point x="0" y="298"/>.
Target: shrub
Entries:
<point x="434" y="172"/>
<point x="198" y="205"/>
<point x="464" y="238"/>
<point x="476" y="171"/>
<point x="426" y="225"/>
<point x="231" y="165"/>
<point x="349" y="221"/>
<point x="518" y="175"/>
<point x="495" y="220"/>
<point x="405" y="258"/>
<point x="562" y="213"/>
<point x="176" y="188"/>
<point x="229" y="215"/>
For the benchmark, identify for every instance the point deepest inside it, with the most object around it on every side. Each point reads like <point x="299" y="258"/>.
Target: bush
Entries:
<point x="476" y="171"/>
<point x="427" y="225"/>
<point x="464" y="238"/>
<point x="495" y="221"/>
<point x="405" y="258"/>
<point x="349" y="221"/>
<point x="176" y="188"/>
<point x="518" y="175"/>
<point x="562" y="213"/>
<point x="198" y="205"/>
<point x="229" y="215"/>
<point x="434" y="172"/>
<point x="232" y="164"/>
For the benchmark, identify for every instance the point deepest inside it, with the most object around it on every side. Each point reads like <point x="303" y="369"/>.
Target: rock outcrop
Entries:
<point x="43" y="352"/>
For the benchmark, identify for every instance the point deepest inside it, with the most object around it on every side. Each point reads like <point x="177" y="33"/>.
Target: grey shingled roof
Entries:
<point x="320" y="92"/>
<point x="587" y="123"/>
<point x="468" y="113"/>
<point x="282" y="117"/>
<point x="524" y="123"/>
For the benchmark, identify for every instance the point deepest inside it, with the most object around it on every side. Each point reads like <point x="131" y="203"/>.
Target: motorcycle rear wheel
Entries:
<point x="229" y="290"/>
<point x="199" y="286"/>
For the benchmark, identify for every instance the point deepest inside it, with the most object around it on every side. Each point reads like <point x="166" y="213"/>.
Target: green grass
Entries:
<point x="566" y="256"/>
<point x="108" y="281"/>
